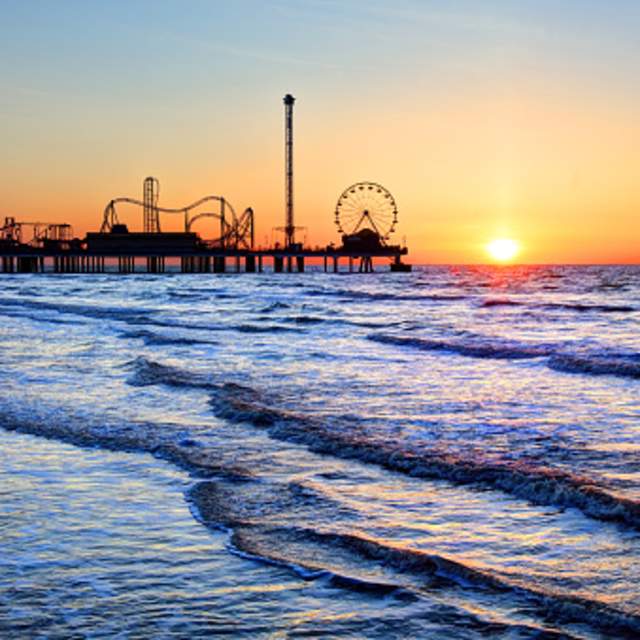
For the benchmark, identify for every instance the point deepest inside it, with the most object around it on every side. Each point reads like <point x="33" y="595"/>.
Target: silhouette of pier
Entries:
<point x="26" y="259"/>
<point x="366" y="215"/>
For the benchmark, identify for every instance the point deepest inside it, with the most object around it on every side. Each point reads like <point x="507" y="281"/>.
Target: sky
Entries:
<point x="485" y="119"/>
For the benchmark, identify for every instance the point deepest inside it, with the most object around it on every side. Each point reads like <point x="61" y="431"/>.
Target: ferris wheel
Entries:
<point x="366" y="205"/>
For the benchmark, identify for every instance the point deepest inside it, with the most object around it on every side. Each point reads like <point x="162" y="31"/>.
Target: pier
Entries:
<point x="26" y="259"/>
<point x="365" y="215"/>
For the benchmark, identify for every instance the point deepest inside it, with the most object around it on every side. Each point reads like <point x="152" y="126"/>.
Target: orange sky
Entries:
<point x="486" y="133"/>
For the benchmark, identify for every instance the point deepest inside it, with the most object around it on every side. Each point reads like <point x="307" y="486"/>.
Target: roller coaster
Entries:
<point x="235" y="232"/>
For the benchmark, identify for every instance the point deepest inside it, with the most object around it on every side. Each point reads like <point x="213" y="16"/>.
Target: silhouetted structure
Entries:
<point x="366" y="214"/>
<point x="150" y="195"/>
<point x="289" y="226"/>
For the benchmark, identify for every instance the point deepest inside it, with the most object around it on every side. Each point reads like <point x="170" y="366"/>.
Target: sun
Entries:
<point x="503" y="249"/>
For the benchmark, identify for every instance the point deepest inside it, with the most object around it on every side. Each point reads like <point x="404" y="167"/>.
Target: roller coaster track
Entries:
<point x="234" y="231"/>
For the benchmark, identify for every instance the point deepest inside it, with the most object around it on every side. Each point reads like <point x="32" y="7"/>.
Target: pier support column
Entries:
<point x="366" y="264"/>
<point x="250" y="264"/>
<point x="350" y="264"/>
<point x="260" y="264"/>
<point x="26" y="265"/>
<point x="155" y="264"/>
<point x="126" y="264"/>
<point x="325" y="264"/>
<point x="278" y="264"/>
<point x="335" y="264"/>
<point x="289" y="264"/>
<point x="300" y="263"/>
<point x="219" y="264"/>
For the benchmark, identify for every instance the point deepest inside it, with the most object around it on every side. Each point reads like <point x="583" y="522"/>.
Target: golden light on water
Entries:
<point x="503" y="249"/>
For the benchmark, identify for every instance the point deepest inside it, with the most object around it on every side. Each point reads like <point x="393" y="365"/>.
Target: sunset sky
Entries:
<point x="484" y="119"/>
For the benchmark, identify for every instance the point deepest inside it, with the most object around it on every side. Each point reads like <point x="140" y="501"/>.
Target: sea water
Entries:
<point x="450" y="453"/>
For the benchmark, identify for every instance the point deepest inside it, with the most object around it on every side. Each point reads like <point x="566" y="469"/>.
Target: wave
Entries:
<point x="584" y="307"/>
<point x="272" y="328"/>
<point x="500" y="302"/>
<point x="242" y="542"/>
<point x="164" y="441"/>
<point x="475" y="347"/>
<point x="136" y="316"/>
<point x="154" y="339"/>
<point x="538" y="485"/>
<point x="315" y="554"/>
<point x="305" y="320"/>
<point x="187" y="295"/>
<point x="605" y="362"/>
<point x="36" y="318"/>
<point x="147" y="372"/>
<point x="575" y="306"/>
<point x="142" y="316"/>
<point x="275" y="306"/>
<point x="622" y="365"/>
<point x="383" y="296"/>
<point x="309" y="320"/>
<point x="564" y="608"/>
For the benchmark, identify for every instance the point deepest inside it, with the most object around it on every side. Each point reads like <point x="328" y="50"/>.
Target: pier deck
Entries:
<point x="27" y="259"/>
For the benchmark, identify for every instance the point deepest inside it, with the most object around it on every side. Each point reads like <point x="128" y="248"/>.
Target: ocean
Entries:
<point x="449" y="453"/>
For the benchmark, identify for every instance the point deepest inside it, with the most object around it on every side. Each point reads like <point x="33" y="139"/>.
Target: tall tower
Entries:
<point x="289" y="226"/>
<point x="150" y="193"/>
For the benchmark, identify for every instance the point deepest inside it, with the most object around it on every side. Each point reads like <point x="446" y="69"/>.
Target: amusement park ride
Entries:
<point x="366" y="215"/>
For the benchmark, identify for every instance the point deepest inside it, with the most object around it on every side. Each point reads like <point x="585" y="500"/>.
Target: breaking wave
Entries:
<point x="90" y="311"/>
<point x="472" y="347"/>
<point x="312" y="553"/>
<point x="625" y="365"/>
<point x="164" y="441"/>
<point x="538" y="485"/>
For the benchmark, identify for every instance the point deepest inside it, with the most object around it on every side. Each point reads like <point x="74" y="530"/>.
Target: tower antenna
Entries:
<point x="289" y="226"/>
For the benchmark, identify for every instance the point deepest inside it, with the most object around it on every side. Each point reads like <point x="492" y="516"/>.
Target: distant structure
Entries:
<point x="366" y="215"/>
<point x="289" y="226"/>
<point x="366" y="205"/>
<point x="43" y="234"/>
<point x="236" y="232"/>
<point x="150" y="194"/>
